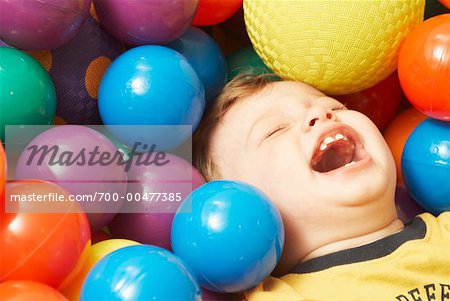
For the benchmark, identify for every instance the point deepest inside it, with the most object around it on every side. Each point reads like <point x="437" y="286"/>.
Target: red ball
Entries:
<point x="212" y="12"/>
<point x="43" y="247"/>
<point x="379" y="103"/>
<point x="445" y="2"/>
<point x="28" y="290"/>
<point x="424" y="67"/>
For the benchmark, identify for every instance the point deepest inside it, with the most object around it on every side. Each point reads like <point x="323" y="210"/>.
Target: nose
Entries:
<point x="317" y="114"/>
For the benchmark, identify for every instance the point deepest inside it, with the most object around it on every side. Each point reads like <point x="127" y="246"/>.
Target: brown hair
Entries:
<point x="239" y="87"/>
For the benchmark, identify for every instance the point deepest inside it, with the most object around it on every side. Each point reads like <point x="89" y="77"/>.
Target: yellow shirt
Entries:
<point x="411" y="265"/>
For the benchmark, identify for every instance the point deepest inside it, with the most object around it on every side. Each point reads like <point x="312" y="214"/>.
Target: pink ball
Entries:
<point x="152" y="225"/>
<point x="138" y="22"/>
<point x="79" y="179"/>
<point x="41" y="24"/>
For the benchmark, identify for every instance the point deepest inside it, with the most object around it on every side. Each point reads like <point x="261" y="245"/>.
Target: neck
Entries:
<point x="390" y="229"/>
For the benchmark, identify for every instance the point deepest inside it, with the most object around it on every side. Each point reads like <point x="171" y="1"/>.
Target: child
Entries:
<point x="332" y="176"/>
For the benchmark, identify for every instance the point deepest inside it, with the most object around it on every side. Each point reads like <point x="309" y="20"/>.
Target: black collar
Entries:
<point x="380" y="248"/>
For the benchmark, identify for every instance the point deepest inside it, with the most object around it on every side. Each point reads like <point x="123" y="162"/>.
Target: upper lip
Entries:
<point x="342" y="128"/>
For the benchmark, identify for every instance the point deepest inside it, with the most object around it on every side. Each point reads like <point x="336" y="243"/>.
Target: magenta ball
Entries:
<point x="407" y="208"/>
<point x="41" y="24"/>
<point x="138" y="22"/>
<point x="152" y="225"/>
<point x="80" y="178"/>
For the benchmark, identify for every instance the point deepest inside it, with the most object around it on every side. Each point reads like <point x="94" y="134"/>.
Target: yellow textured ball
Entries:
<point x="338" y="46"/>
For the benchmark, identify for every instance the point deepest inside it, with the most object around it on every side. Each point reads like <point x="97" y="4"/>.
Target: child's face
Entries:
<point x="318" y="161"/>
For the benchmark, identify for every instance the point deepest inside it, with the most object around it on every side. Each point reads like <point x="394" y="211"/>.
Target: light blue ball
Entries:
<point x="230" y="234"/>
<point x="140" y="272"/>
<point x="151" y="85"/>
<point x="426" y="165"/>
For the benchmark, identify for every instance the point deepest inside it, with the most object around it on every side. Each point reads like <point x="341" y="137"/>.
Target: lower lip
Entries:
<point x="363" y="163"/>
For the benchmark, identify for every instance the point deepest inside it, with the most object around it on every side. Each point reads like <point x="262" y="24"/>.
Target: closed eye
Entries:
<point x="275" y="130"/>
<point x="339" y="108"/>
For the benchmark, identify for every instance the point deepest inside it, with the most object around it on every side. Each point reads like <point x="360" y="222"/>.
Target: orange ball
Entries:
<point x="28" y="290"/>
<point x="43" y="247"/>
<point x="445" y="2"/>
<point x="424" y="67"/>
<point x="398" y="132"/>
<point x="212" y="12"/>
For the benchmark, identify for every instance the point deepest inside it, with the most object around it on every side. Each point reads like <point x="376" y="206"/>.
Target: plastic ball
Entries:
<point x="43" y="247"/>
<point x="95" y="253"/>
<point x="379" y="103"/>
<point x="245" y="60"/>
<point x="211" y="12"/>
<point x="140" y="273"/>
<point x="22" y="290"/>
<point x="77" y="69"/>
<point x="137" y="22"/>
<point x="407" y="208"/>
<point x="151" y="223"/>
<point x="78" y="178"/>
<point x="426" y="165"/>
<point x="213" y="296"/>
<point x="206" y="58"/>
<point x="398" y="132"/>
<point x="27" y="95"/>
<point x="446" y="3"/>
<point x="151" y="85"/>
<point x="342" y="47"/>
<point x="230" y="234"/>
<point x="41" y="24"/>
<point x="424" y="67"/>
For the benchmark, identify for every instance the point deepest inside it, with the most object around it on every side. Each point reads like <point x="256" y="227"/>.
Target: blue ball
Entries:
<point x="206" y="57"/>
<point x="230" y="234"/>
<point x="151" y="85"/>
<point x="426" y="165"/>
<point x="140" y="272"/>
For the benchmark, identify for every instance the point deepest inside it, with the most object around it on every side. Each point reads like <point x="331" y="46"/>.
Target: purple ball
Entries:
<point x="77" y="69"/>
<point x="77" y="178"/>
<point x="153" y="224"/>
<point x="138" y="22"/>
<point x="213" y="296"/>
<point x="407" y="208"/>
<point x="41" y="24"/>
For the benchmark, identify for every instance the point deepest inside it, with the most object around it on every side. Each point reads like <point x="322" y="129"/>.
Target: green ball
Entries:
<point x="245" y="60"/>
<point x="27" y="94"/>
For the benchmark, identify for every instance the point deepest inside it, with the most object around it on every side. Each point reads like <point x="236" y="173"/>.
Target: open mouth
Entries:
<point x="336" y="149"/>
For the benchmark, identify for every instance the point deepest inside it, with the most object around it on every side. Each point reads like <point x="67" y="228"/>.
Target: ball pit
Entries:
<point x="41" y="24"/>
<point x="426" y="165"/>
<point x="230" y="235"/>
<point x="140" y="273"/>
<point x="27" y="95"/>
<point x="27" y="239"/>
<point x="322" y="53"/>
<point x="424" y="67"/>
<point x="143" y="63"/>
<point x="138" y="22"/>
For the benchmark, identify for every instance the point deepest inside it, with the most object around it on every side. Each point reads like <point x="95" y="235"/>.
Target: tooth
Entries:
<point x="328" y="140"/>
<point x="323" y="146"/>
<point x="350" y="164"/>
<point x="339" y="137"/>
